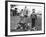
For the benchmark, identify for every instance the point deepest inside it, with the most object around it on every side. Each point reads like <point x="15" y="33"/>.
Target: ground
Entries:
<point x="15" y="19"/>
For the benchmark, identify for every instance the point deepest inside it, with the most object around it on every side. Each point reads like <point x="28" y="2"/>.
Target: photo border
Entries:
<point x="6" y="18"/>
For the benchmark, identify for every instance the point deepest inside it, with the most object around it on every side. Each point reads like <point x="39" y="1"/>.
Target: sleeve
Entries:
<point x="36" y="17"/>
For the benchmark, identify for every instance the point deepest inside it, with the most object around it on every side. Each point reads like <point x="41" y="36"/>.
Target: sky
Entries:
<point x="38" y="9"/>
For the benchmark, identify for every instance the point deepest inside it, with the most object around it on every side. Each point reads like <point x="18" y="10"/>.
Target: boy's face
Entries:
<point x="33" y="10"/>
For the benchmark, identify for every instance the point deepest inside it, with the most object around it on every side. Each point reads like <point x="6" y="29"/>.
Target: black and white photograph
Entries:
<point x="25" y="18"/>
